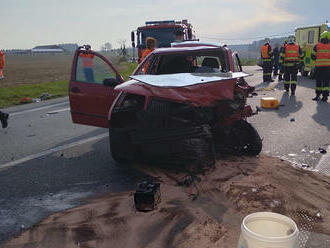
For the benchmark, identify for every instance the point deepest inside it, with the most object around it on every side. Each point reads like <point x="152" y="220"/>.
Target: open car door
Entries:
<point x="91" y="89"/>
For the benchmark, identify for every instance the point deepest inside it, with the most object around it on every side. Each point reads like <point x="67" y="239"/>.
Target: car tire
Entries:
<point x="240" y="138"/>
<point x="121" y="147"/>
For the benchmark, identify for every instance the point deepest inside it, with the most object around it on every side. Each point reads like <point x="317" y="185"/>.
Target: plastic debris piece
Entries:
<point x="321" y="150"/>
<point x="303" y="150"/>
<point x="292" y="119"/>
<point x="292" y="154"/>
<point x="45" y="96"/>
<point x="26" y="100"/>
<point x="318" y="215"/>
<point x="254" y="94"/>
<point x="305" y="165"/>
<point x="275" y="203"/>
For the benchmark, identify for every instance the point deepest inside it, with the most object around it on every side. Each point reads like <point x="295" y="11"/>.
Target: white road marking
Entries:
<point x="37" y="109"/>
<point x="324" y="164"/>
<point x="58" y="111"/>
<point x="52" y="150"/>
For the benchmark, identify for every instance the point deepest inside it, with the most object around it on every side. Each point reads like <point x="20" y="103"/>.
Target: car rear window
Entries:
<point x="188" y="62"/>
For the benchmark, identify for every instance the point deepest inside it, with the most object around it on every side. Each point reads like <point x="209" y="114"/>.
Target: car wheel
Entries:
<point x="240" y="138"/>
<point x="121" y="147"/>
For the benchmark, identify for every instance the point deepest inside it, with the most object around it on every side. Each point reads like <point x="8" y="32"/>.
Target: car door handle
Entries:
<point x="75" y="90"/>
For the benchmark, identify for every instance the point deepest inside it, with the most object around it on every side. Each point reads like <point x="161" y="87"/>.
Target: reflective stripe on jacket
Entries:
<point x="322" y="54"/>
<point x="291" y="53"/>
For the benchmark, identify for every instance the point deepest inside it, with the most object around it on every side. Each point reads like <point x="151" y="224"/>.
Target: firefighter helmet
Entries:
<point x="325" y="35"/>
<point x="291" y="39"/>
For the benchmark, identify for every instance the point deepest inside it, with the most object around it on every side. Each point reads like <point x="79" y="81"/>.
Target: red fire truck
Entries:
<point x="162" y="31"/>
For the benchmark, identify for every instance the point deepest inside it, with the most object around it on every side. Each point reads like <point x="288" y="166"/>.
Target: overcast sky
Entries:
<point x="27" y="23"/>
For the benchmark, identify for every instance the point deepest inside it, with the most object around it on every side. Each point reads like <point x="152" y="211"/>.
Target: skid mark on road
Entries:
<point x="52" y="150"/>
<point x="37" y="109"/>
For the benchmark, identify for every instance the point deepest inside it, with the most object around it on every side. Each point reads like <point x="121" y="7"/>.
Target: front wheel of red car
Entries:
<point x="241" y="138"/>
<point x="121" y="147"/>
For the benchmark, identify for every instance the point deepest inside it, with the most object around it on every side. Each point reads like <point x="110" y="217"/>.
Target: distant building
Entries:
<point x="47" y="49"/>
<point x="69" y="47"/>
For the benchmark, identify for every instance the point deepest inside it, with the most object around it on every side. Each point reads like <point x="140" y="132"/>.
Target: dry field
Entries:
<point x="28" y="69"/>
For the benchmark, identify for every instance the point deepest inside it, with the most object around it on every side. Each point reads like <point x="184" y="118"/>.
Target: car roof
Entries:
<point x="185" y="49"/>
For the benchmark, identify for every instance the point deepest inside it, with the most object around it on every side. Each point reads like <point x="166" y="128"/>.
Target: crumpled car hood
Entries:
<point x="186" y="79"/>
<point x="195" y="89"/>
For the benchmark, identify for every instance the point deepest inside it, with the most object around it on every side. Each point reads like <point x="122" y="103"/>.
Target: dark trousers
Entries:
<point x="290" y="78"/>
<point x="89" y="74"/>
<point x="267" y="70"/>
<point x="2" y="115"/>
<point x="276" y="67"/>
<point x="322" y="80"/>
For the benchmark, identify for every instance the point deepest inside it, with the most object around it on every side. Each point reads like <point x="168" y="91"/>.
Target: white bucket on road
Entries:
<point x="268" y="230"/>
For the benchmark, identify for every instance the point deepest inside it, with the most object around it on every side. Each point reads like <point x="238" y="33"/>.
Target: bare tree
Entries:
<point x="123" y="50"/>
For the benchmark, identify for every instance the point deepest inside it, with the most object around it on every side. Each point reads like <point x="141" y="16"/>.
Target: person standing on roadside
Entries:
<point x="88" y="63"/>
<point x="267" y="61"/>
<point x="291" y="57"/>
<point x="3" y="116"/>
<point x="150" y="46"/>
<point x="321" y="55"/>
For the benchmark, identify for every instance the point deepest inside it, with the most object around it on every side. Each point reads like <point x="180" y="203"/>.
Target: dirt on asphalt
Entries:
<point x="206" y="213"/>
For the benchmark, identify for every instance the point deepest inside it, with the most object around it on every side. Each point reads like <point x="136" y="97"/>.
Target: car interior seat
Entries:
<point x="211" y="62"/>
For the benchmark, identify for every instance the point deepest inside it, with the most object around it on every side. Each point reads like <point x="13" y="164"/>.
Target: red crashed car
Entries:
<point x="182" y="105"/>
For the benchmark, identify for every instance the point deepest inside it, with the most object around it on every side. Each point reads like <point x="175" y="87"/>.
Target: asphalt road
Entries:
<point x="48" y="164"/>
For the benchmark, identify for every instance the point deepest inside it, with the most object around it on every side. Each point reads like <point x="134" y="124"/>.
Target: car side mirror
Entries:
<point x="110" y="82"/>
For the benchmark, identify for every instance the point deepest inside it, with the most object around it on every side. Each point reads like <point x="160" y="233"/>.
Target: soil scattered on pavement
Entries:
<point x="198" y="213"/>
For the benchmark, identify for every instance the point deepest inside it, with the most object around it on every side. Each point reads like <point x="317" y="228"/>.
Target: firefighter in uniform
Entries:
<point x="290" y="58"/>
<point x="280" y="75"/>
<point x="267" y="61"/>
<point x="321" y="55"/>
<point x="3" y="116"/>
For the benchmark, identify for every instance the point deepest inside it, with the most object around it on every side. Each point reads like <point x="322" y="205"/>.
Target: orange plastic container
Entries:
<point x="269" y="102"/>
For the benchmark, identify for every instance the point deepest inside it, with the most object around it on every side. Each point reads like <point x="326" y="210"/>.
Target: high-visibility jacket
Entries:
<point x="322" y="54"/>
<point x="146" y="52"/>
<point x="2" y="60"/>
<point x="87" y="59"/>
<point x="291" y="53"/>
<point x="266" y="52"/>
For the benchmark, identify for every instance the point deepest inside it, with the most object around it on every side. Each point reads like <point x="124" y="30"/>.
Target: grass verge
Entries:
<point x="248" y="62"/>
<point x="12" y="95"/>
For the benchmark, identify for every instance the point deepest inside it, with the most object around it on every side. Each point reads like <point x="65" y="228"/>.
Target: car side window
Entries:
<point x="237" y="63"/>
<point x="93" y="69"/>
